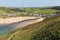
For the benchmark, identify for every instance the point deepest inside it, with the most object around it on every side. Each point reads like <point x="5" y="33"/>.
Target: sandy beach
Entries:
<point x="14" y="19"/>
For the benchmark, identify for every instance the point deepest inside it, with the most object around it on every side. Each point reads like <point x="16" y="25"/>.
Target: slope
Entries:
<point x="49" y="29"/>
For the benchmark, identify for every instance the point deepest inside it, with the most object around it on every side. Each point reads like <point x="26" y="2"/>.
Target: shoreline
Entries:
<point x="32" y="22"/>
<point x="14" y="19"/>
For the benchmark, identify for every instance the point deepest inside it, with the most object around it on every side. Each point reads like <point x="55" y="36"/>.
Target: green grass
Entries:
<point x="4" y="10"/>
<point x="49" y="29"/>
<point x="45" y="11"/>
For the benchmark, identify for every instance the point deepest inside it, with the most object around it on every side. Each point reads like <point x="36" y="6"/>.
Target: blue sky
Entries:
<point x="29" y="3"/>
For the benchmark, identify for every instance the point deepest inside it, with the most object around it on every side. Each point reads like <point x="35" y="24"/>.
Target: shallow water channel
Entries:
<point x="4" y="28"/>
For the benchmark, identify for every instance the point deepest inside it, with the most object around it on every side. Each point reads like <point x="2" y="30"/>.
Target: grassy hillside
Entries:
<point x="7" y="12"/>
<point x="37" y="10"/>
<point x="49" y="29"/>
<point x="54" y="7"/>
<point x="12" y="12"/>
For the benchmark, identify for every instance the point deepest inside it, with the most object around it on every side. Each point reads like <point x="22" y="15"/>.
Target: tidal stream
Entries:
<point x="6" y="28"/>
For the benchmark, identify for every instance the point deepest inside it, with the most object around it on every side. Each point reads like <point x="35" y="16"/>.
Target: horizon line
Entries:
<point x="26" y="6"/>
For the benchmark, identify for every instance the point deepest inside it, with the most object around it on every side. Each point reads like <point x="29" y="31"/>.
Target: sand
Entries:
<point x="14" y="19"/>
<point x="37" y="20"/>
